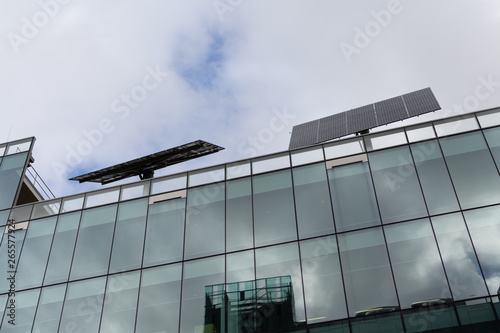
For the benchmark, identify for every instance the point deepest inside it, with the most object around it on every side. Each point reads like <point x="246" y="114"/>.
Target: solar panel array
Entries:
<point x="364" y="118"/>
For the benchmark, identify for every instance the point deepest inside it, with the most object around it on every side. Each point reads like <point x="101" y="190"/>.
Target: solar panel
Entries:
<point x="144" y="167"/>
<point x="364" y="118"/>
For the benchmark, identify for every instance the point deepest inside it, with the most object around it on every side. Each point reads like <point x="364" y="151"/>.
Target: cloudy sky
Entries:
<point x="98" y="83"/>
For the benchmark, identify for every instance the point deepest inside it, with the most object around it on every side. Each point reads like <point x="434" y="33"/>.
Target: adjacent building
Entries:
<point x="394" y="231"/>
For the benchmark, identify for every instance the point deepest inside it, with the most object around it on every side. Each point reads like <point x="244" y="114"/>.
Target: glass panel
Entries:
<point x="49" y="309"/>
<point x="353" y="198"/>
<point x="4" y="215"/>
<point x="416" y="264"/>
<point x="367" y="275"/>
<point x="279" y="279"/>
<point x="396" y="185"/>
<point x="3" y="302"/>
<point x="477" y="316"/>
<point x="102" y="197"/>
<point x="323" y="287"/>
<point x="273" y="162"/>
<point x="489" y="118"/>
<point x="337" y="327"/>
<point x="199" y="310"/>
<point x="274" y="213"/>
<point x="205" y="221"/>
<point x="240" y="267"/>
<point x="493" y="139"/>
<point x="33" y="261"/>
<point x="62" y="248"/>
<point x="453" y="126"/>
<point x="432" y="318"/>
<point x="381" y="323"/>
<point x="10" y="250"/>
<point x="72" y="203"/>
<point x="240" y="169"/>
<point x="168" y="184"/>
<point x="462" y="268"/>
<point x="25" y="306"/>
<point x="93" y="244"/>
<point x="344" y="148"/>
<point x="11" y="170"/>
<point x="47" y="208"/>
<point x="120" y="303"/>
<point x="135" y="191"/>
<point x="312" y="200"/>
<point x="206" y="176"/>
<point x="2" y="151"/>
<point x="308" y="155"/>
<point x="472" y="170"/>
<point x="128" y="241"/>
<point x="159" y="300"/>
<point x="165" y="232"/>
<point x="83" y="306"/>
<point x="419" y="133"/>
<point x="18" y="147"/>
<point x="20" y="214"/>
<point x="484" y="228"/>
<point x="239" y="225"/>
<point x="384" y="140"/>
<point x="434" y="178"/>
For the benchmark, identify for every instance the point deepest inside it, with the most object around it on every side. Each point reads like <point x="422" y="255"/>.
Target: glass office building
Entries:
<point x="395" y="231"/>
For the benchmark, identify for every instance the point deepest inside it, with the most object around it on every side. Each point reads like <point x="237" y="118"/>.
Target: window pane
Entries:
<point x="396" y="185"/>
<point x="197" y="313"/>
<point x="238" y="169"/>
<point x="312" y="200"/>
<point x="274" y="216"/>
<point x="135" y="191"/>
<point x="472" y="170"/>
<point x="436" y="184"/>
<point x="386" y="139"/>
<point x="381" y="323"/>
<point x="484" y="228"/>
<point x="344" y="148"/>
<point x="159" y="299"/>
<point x="435" y="318"/>
<point x="240" y="267"/>
<point x="367" y="275"/>
<point x="169" y="184"/>
<point x="477" y="316"/>
<point x="93" y="244"/>
<point x="33" y="261"/>
<point x="462" y="268"/>
<point x="63" y="246"/>
<point x="269" y="163"/>
<point x="3" y="301"/>
<point x="49" y="309"/>
<point x="239" y="225"/>
<point x="323" y="287"/>
<point x="11" y="169"/>
<point x="15" y="241"/>
<point x="165" y="232"/>
<point x="416" y="264"/>
<point x="353" y="198"/>
<point x="279" y="266"/>
<point x="456" y="125"/>
<point x="205" y="221"/>
<point x="128" y="240"/>
<point x="419" y="133"/>
<point x="120" y="303"/>
<point x="25" y="306"/>
<point x="83" y="305"/>
<point x="102" y="197"/>
<point x="493" y="139"/>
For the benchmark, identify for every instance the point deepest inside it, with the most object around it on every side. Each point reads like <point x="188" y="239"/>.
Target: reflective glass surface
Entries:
<point x="493" y="140"/>
<point x="239" y="222"/>
<point x="396" y="185"/>
<point x="11" y="168"/>
<point x="240" y="267"/>
<point x="93" y="244"/>
<point x="21" y="320"/>
<point x="353" y="198"/>
<point x="435" y="318"/>
<point x="434" y="178"/>
<point x="472" y="170"/>
<point x="49" y="309"/>
<point x="477" y="316"/>
<point x="416" y="264"/>
<point x="274" y="212"/>
<point x="367" y="275"/>
<point x="165" y="232"/>
<point x="10" y="249"/>
<point x="205" y="221"/>
<point x="314" y="211"/>
<point x="159" y="299"/>
<point x="128" y="239"/>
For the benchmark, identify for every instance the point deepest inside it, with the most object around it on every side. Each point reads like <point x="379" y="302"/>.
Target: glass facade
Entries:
<point x="370" y="234"/>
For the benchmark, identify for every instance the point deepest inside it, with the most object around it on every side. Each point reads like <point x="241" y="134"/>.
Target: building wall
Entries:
<point x="390" y="232"/>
